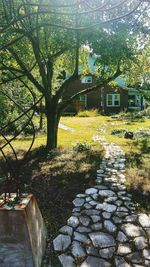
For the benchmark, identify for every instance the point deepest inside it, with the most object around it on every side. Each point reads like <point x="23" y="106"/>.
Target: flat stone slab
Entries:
<point x="144" y="220"/>
<point x="95" y="262"/>
<point x="102" y="240"/>
<point x="106" y="207"/>
<point x="61" y="242"/>
<point x="77" y="250"/>
<point x="66" y="261"/>
<point x="132" y="230"/>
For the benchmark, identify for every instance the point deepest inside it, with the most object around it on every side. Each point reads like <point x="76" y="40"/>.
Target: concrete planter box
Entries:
<point x="22" y="234"/>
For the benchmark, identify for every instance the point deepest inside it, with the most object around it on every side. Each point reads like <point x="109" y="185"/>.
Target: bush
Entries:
<point x="81" y="147"/>
<point x="88" y="113"/>
<point x="119" y="132"/>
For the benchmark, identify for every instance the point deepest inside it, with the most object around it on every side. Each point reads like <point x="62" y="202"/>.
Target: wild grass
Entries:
<point x="88" y="113"/>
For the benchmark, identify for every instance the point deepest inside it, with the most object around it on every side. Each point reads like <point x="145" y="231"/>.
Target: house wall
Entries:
<point x="95" y="99"/>
<point x="123" y="100"/>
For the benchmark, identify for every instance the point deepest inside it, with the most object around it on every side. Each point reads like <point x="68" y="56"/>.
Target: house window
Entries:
<point x="87" y="79"/>
<point x="113" y="100"/>
<point x="83" y="98"/>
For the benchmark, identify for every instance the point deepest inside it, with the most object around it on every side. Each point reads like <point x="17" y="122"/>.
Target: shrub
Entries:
<point x="88" y="113"/>
<point x="119" y="132"/>
<point x="81" y="147"/>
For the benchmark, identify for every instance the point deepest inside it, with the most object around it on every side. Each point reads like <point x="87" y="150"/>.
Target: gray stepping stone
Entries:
<point x="146" y="253"/>
<point x="91" y="191"/>
<point x="136" y="257"/>
<point x="81" y="238"/>
<point x="132" y="230"/>
<point x="96" y="226"/>
<point x="90" y="250"/>
<point x="77" y="250"/>
<point x="95" y="218"/>
<point x="107" y="193"/>
<point x="61" y="242"/>
<point x="140" y="242"/>
<point x="73" y="221"/>
<point x="102" y="240"/>
<point x="66" y="230"/>
<point x="95" y="262"/>
<point x="121" y="237"/>
<point x="66" y="261"/>
<point x="106" y="207"/>
<point x="107" y="253"/>
<point x="85" y="221"/>
<point x="106" y="215"/>
<point x="109" y="226"/>
<point x="124" y="249"/>
<point x="120" y="262"/>
<point x="82" y="229"/>
<point x="78" y="202"/>
<point x="144" y="220"/>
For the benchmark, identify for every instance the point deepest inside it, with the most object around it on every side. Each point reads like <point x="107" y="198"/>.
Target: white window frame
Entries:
<point x="113" y="100"/>
<point x="87" y="79"/>
<point x="85" y="100"/>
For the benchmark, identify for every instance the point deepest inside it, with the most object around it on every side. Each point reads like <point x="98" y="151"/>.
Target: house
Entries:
<point x="108" y="100"/>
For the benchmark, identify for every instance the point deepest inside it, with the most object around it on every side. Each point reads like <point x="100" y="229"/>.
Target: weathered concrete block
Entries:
<point x="22" y="234"/>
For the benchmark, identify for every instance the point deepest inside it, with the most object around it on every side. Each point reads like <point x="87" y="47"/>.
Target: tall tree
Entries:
<point x="40" y="39"/>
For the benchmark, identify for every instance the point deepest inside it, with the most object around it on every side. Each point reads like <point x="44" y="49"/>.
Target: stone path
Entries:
<point x="105" y="230"/>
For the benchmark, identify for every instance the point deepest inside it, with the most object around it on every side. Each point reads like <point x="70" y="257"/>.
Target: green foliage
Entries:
<point x="81" y="147"/>
<point x="88" y="113"/>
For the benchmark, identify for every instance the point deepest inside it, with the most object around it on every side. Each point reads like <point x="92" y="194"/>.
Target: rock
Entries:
<point x="87" y="206"/>
<point x="78" y="202"/>
<point x="82" y="229"/>
<point x="140" y="242"/>
<point x="90" y="212"/>
<point x="77" y="250"/>
<point x="107" y="253"/>
<point x="121" y="237"/>
<point x="81" y="238"/>
<point x="121" y="214"/>
<point x="106" y="207"/>
<point x="122" y="209"/>
<point x="81" y="195"/>
<point x="95" y="218"/>
<point x="92" y="251"/>
<point x="124" y="249"/>
<point x="132" y="230"/>
<point x="120" y="262"/>
<point x="144" y="220"/>
<point x="96" y="226"/>
<point x="88" y="199"/>
<point x="61" y="242"/>
<point x="106" y="215"/>
<point x="136" y="257"/>
<point x="129" y="135"/>
<point x="66" y="230"/>
<point x="73" y="221"/>
<point x="130" y="218"/>
<point x="146" y="254"/>
<point x="102" y="240"/>
<point x="75" y="210"/>
<point x="100" y="187"/>
<point x="85" y="221"/>
<point x="93" y="203"/>
<point x="107" y="193"/>
<point x="117" y="219"/>
<point x="66" y="261"/>
<point x="95" y="262"/>
<point x="109" y="226"/>
<point x="91" y="191"/>
<point x="95" y="196"/>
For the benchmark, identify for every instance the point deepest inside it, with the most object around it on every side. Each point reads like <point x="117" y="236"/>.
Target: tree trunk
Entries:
<point x="52" y="124"/>
<point x="41" y="116"/>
